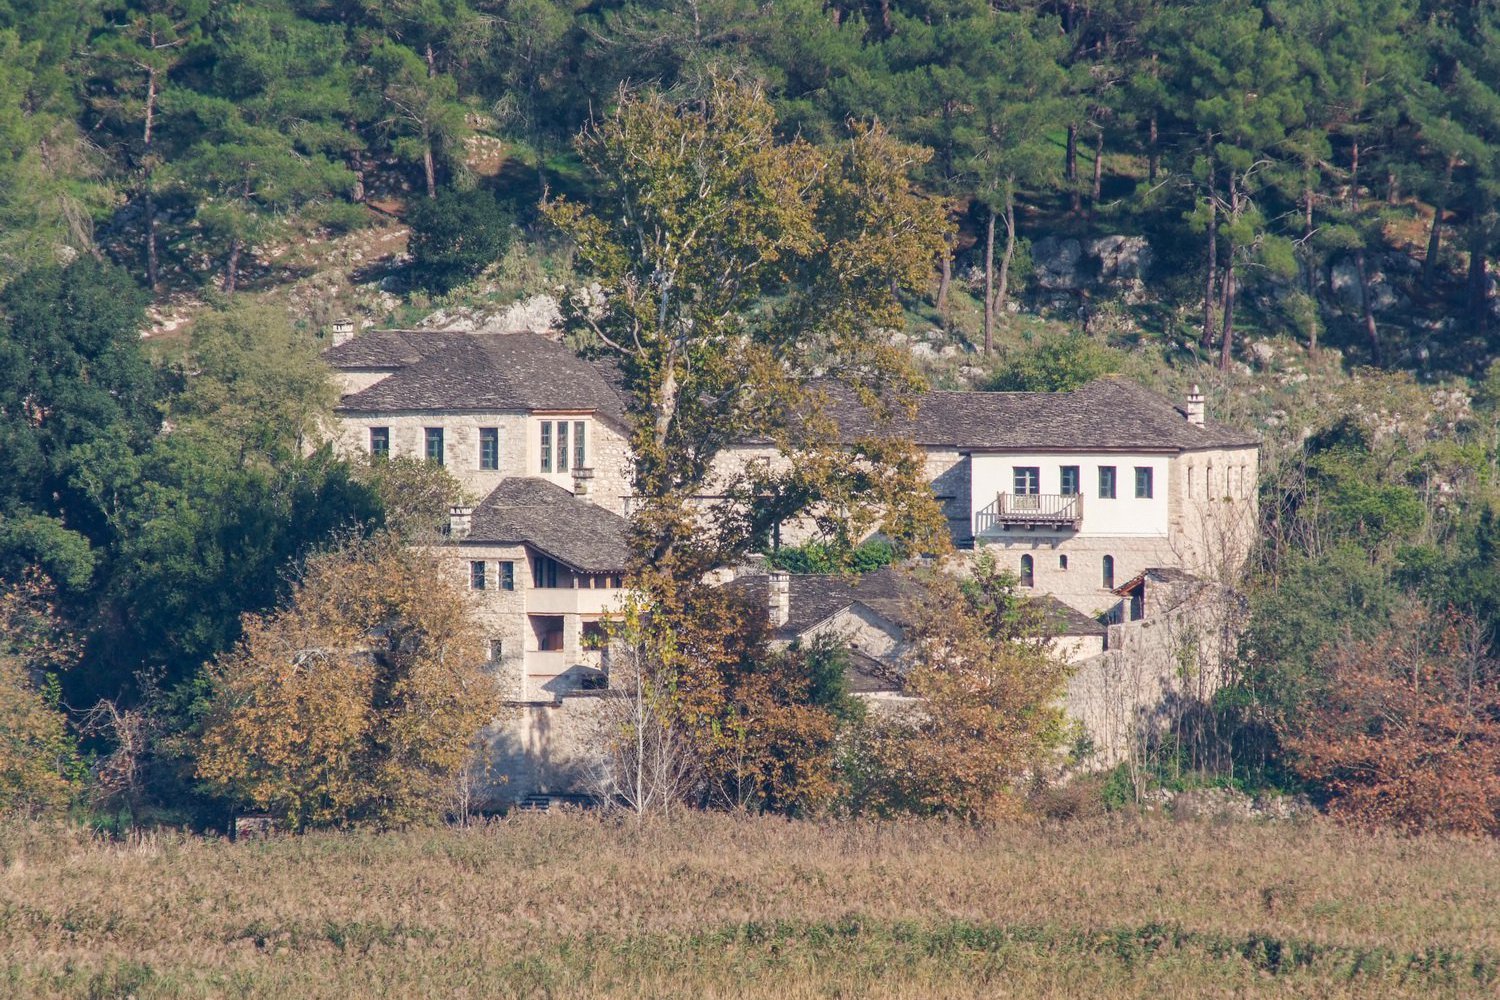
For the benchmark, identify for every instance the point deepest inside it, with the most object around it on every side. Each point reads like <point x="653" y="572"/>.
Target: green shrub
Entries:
<point x="455" y="236"/>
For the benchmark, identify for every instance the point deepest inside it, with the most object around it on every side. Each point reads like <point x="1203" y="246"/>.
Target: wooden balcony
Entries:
<point x="1030" y="512"/>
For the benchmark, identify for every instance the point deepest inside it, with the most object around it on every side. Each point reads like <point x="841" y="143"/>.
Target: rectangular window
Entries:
<point x="546" y="446"/>
<point x="1143" y="482"/>
<point x="543" y="572"/>
<point x="1071" y="481"/>
<point x="476" y="575"/>
<point x="1106" y="482"/>
<point x="497" y="650"/>
<point x="507" y="576"/>
<point x="578" y="462"/>
<point x="562" y="446"/>
<point x="489" y="447"/>
<point x="1028" y="480"/>
<point x="435" y="445"/>
<point x="380" y="443"/>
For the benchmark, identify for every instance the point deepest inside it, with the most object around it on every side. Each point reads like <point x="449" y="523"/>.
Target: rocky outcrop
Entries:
<point x="1116" y="263"/>
<point x="537" y="314"/>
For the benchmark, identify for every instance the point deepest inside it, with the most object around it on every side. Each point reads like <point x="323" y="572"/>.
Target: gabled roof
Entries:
<point x="1060" y="620"/>
<point x="466" y="371"/>
<point x="816" y="597"/>
<point x="889" y="593"/>
<point x="553" y="521"/>
<point x="1155" y="574"/>
<point x="1108" y="414"/>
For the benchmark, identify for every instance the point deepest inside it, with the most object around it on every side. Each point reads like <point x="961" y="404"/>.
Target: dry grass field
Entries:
<point x="719" y="906"/>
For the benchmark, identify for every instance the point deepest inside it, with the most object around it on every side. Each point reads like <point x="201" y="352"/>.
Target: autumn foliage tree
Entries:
<point x="1407" y="733"/>
<point x="991" y="701"/>
<point x="39" y="764"/>
<point x="358" y="700"/>
<point x="743" y="276"/>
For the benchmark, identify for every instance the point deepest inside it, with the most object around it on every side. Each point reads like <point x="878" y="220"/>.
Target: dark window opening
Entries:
<point x="546" y="446"/>
<point x="562" y="446"/>
<point x="1109" y="573"/>
<point x="1027" y="572"/>
<point x="489" y="447"/>
<point x="1106" y="482"/>
<point x="544" y="572"/>
<point x="1070" y="481"/>
<point x="380" y="442"/>
<point x="1143" y="483"/>
<point x="477" y="575"/>
<point x="497" y="650"/>
<point x="507" y="576"/>
<point x="1028" y="480"/>
<point x="578" y="455"/>
<point x="435" y="445"/>
<point x="1062" y="562"/>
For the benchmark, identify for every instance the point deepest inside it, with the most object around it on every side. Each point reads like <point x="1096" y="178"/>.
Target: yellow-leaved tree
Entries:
<point x="358" y="701"/>
<point x="39" y="764"/>
<point x="991" y="710"/>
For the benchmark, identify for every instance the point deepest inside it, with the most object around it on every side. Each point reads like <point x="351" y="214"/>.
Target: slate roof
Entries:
<point x="1108" y="414"/>
<point x="449" y="370"/>
<point x="816" y="597"/>
<point x="1062" y="620"/>
<point x="547" y="517"/>
<point x="465" y="371"/>
<point x="1156" y="574"/>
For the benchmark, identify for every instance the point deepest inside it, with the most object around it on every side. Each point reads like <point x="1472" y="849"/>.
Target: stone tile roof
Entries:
<point x="448" y="370"/>
<point x="1058" y="619"/>
<point x="534" y="512"/>
<point x="464" y="371"/>
<point x="816" y="597"/>
<point x="1108" y="414"/>
<point x="1156" y="574"/>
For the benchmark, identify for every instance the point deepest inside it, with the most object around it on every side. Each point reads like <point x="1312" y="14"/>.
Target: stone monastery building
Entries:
<point x="1083" y="494"/>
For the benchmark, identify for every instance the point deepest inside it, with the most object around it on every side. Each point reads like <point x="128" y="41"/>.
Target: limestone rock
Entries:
<point x="1056" y="263"/>
<point x="1121" y="258"/>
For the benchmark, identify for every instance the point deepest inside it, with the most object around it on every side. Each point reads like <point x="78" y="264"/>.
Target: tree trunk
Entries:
<point x="1226" y="340"/>
<point x="989" y="284"/>
<point x="1392" y="188"/>
<point x="148" y="203"/>
<point x="1435" y="235"/>
<point x="1213" y="250"/>
<point x="945" y="278"/>
<point x="1366" y="313"/>
<point x="429" y="167"/>
<point x="1153" y="155"/>
<point x="431" y="62"/>
<point x="1070" y="170"/>
<point x="1098" y="167"/>
<point x="1309" y="268"/>
<point x="1002" y="296"/>
<point x="232" y="266"/>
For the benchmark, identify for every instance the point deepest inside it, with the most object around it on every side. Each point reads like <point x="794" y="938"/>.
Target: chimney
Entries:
<point x="779" y="598"/>
<point x="1195" y="406"/>
<point x="343" y="331"/>
<point x="582" y="479"/>
<point x="460" y="521"/>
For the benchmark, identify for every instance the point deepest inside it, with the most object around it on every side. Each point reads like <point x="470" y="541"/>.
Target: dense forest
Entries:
<point x="1256" y="142"/>
<point x="1317" y="181"/>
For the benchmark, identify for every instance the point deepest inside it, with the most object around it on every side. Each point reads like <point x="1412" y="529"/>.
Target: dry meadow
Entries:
<point x="721" y="906"/>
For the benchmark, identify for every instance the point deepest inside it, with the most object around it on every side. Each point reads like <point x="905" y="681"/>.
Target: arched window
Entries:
<point x="1109" y="573"/>
<point x="1028" y="578"/>
<point x="1208" y="482"/>
<point x="1190" y="482"/>
<point x="1062" y="562"/>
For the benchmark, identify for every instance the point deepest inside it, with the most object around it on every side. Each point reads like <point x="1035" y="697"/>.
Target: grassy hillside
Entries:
<point x="718" y="906"/>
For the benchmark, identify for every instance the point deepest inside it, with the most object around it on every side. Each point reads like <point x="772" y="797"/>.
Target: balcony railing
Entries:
<point x="1030" y="511"/>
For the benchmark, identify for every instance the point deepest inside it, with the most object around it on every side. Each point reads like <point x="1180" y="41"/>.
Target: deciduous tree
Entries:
<point x="358" y="700"/>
